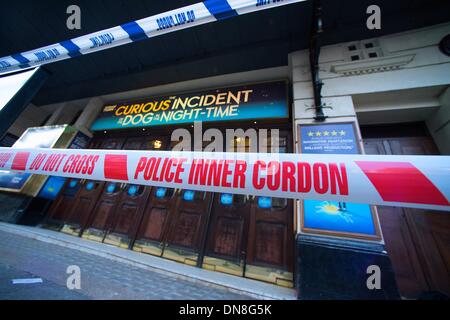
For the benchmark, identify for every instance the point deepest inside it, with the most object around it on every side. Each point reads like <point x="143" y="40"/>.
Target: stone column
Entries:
<point x="90" y="112"/>
<point x="56" y="115"/>
<point x="439" y="124"/>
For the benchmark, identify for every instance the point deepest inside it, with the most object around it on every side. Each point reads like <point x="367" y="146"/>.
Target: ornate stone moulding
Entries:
<point x="366" y="66"/>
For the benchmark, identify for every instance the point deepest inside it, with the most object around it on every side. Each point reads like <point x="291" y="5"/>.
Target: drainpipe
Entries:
<point x="314" y="53"/>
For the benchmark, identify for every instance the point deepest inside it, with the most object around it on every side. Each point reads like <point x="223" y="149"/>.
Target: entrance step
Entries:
<point x="253" y="288"/>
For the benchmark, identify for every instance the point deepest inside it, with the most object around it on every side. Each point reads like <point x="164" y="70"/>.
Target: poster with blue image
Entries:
<point x="54" y="185"/>
<point x="336" y="216"/>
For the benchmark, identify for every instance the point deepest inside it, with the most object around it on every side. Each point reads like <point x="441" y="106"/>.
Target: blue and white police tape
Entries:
<point x="182" y="18"/>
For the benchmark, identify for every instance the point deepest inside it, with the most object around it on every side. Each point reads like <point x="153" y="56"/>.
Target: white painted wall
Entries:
<point x="32" y="116"/>
<point x="403" y="84"/>
<point x="439" y="124"/>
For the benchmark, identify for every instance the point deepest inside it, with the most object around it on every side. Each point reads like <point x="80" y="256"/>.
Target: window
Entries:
<point x="153" y="144"/>
<point x="191" y="195"/>
<point x="242" y="144"/>
<point x="164" y="193"/>
<point x="361" y="50"/>
<point x="280" y="146"/>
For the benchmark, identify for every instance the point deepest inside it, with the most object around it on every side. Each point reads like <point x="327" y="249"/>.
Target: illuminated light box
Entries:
<point x="60" y="136"/>
<point x="267" y="100"/>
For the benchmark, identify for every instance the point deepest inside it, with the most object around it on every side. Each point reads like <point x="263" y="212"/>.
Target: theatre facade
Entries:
<point x="388" y="95"/>
<point x="240" y="235"/>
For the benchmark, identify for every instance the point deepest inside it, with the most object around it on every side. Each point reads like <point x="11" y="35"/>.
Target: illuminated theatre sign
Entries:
<point x="249" y="102"/>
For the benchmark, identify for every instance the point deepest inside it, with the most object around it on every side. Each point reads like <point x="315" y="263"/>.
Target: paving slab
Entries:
<point x="129" y="271"/>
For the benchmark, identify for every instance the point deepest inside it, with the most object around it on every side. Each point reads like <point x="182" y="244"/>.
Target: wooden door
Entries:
<point x="63" y="204"/>
<point x="99" y="218"/>
<point x="187" y="231"/>
<point x="153" y="230"/>
<point x="417" y="241"/>
<point x="228" y="234"/>
<point x="270" y="249"/>
<point x="431" y="231"/>
<point x="154" y="227"/>
<point x="252" y="236"/>
<point x="61" y="208"/>
<point x="86" y="199"/>
<point x="400" y="247"/>
<point x="129" y="208"/>
<point x="83" y="204"/>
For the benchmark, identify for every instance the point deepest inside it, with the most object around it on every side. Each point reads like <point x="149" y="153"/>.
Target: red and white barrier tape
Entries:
<point x="407" y="181"/>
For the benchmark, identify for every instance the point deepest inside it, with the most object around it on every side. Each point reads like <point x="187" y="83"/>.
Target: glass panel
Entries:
<point x="226" y="199"/>
<point x="111" y="188"/>
<point x="241" y="144"/>
<point x="161" y="192"/>
<point x="164" y="193"/>
<point x="264" y="202"/>
<point x="73" y="183"/>
<point x="199" y="195"/>
<point x="110" y="144"/>
<point x="90" y="185"/>
<point x="157" y="144"/>
<point x="72" y="187"/>
<point x="282" y="144"/>
<point x="267" y="202"/>
<point x="279" y="203"/>
<point x="135" y="190"/>
<point x="240" y="199"/>
<point x="133" y="144"/>
<point x="153" y="144"/>
<point x="282" y="150"/>
<point x="188" y="195"/>
<point x="191" y="195"/>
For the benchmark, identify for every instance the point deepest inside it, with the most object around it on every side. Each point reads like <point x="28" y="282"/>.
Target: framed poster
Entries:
<point x="53" y="185"/>
<point x="38" y="137"/>
<point x="57" y="136"/>
<point x="342" y="219"/>
<point x="333" y="218"/>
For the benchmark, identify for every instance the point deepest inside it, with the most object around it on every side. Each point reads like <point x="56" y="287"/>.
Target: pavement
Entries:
<point x="108" y="272"/>
<point x="46" y="290"/>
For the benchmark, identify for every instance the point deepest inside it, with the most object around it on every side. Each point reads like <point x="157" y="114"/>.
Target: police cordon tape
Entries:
<point x="407" y="181"/>
<point x="174" y="20"/>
